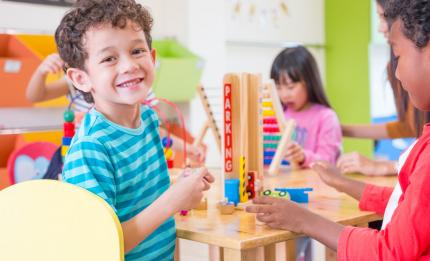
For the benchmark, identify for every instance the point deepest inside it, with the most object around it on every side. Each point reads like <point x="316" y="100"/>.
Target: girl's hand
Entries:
<point x="355" y="162"/>
<point x="188" y="190"/>
<point x="52" y="64"/>
<point x="328" y="173"/>
<point x="279" y="213"/>
<point x="294" y="153"/>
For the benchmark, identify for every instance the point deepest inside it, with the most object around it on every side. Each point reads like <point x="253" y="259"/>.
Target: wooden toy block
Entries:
<point x="232" y="86"/>
<point x="255" y="127"/>
<point x="226" y="208"/>
<point x="203" y="205"/>
<point x="64" y="150"/>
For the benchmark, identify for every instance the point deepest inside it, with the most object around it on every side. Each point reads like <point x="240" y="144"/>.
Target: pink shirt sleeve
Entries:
<point x="375" y="198"/>
<point x="328" y="140"/>
<point x="407" y="235"/>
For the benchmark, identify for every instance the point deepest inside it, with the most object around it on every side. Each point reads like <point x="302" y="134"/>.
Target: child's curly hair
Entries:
<point x="415" y="15"/>
<point x="86" y="14"/>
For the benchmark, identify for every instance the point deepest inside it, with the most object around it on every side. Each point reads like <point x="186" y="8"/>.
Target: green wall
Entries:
<point x="347" y="27"/>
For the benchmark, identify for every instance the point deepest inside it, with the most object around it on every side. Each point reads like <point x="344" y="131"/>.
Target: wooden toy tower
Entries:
<point x="242" y="144"/>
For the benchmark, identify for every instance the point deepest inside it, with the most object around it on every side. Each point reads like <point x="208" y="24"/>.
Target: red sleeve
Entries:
<point x="375" y="198"/>
<point x="407" y="236"/>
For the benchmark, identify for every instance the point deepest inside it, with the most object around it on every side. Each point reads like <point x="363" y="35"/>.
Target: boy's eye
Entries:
<point x="138" y="51"/>
<point x="108" y="59"/>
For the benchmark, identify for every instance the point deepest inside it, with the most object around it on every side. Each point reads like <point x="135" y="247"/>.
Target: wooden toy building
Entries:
<point x="253" y="117"/>
<point x="242" y="144"/>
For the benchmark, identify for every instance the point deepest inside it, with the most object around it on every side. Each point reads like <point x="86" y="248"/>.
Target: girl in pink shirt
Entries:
<point x="405" y="235"/>
<point x="300" y="89"/>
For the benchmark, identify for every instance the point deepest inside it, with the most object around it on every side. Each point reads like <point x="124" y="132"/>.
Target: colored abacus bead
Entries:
<point x="168" y="153"/>
<point x="167" y="142"/>
<point x="69" y="116"/>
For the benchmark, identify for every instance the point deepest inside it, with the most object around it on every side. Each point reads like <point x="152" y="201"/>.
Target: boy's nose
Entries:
<point x="129" y="65"/>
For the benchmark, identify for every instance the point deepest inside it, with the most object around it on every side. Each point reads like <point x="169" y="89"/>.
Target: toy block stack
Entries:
<point x="68" y="132"/>
<point x="242" y="135"/>
<point x="168" y="152"/>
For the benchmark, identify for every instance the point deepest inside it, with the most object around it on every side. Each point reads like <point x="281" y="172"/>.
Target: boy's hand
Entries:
<point x="197" y="154"/>
<point x="279" y="213"/>
<point x="52" y="64"/>
<point x="354" y="162"/>
<point x="188" y="190"/>
<point x="328" y="173"/>
<point x="294" y="152"/>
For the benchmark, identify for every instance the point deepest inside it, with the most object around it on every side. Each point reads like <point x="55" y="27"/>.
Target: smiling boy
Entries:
<point x="117" y="153"/>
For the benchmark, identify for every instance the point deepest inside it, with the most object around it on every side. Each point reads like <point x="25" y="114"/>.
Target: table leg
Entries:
<point x="176" y="256"/>
<point x="270" y="252"/>
<point x="215" y="253"/>
<point x="240" y="255"/>
<point x="291" y="250"/>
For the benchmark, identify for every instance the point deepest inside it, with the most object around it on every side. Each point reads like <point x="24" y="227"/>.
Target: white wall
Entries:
<point x="30" y="18"/>
<point x="207" y="28"/>
<point x="381" y="95"/>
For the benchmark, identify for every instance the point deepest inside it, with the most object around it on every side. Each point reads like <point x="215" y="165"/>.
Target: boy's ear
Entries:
<point x="80" y="79"/>
<point x="154" y="55"/>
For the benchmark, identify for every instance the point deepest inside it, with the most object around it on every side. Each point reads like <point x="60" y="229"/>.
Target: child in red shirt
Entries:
<point x="406" y="236"/>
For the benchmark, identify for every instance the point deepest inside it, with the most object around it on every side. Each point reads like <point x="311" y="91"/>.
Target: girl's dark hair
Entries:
<point x="401" y="97"/>
<point x="300" y="66"/>
<point x="415" y="16"/>
<point x="87" y="14"/>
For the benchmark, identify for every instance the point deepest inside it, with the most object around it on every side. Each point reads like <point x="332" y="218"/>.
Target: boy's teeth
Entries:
<point x="129" y="84"/>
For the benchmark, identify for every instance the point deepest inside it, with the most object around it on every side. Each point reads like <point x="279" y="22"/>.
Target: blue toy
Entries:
<point x="231" y="190"/>
<point x="299" y="195"/>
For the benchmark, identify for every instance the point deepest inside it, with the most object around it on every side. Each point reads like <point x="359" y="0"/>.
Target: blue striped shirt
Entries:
<point x="127" y="168"/>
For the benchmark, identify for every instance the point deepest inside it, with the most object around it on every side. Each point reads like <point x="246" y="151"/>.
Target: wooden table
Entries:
<point x="238" y="235"/>
<point x="25" y="120"/>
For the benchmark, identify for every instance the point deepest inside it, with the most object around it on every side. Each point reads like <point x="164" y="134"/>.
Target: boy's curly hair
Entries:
<point x="415" y="15"/>
<point x="86" y="14"/>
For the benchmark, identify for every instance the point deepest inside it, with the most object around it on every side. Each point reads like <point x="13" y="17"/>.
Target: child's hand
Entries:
<point x="279" y="213"/>
<point x="52" y="64"/>
<point x="188" y="190"/>
<point x="355" y="162"/>
<point x="294" y="153"/>
<point x="197" y="154"/>
<point x="327" y="172"/>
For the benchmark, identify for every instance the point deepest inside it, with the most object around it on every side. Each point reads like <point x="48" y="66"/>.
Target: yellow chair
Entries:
<point x="47" y="220"/>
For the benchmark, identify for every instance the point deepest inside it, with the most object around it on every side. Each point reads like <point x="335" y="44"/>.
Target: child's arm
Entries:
<point x="285" y="214"/>
<point x="366" y="131"/>
<point x="38" y="90"/>
<point x="89" y="166"/>
<point x="186" y="193"/>
<point x="332" y="177"/>
<point x="371" y="197"/>
<point x="355" y="162"/>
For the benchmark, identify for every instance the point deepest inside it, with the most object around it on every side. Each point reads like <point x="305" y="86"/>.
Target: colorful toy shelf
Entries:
<point x="20" y="55"/>
<point x="178" y="71"/>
